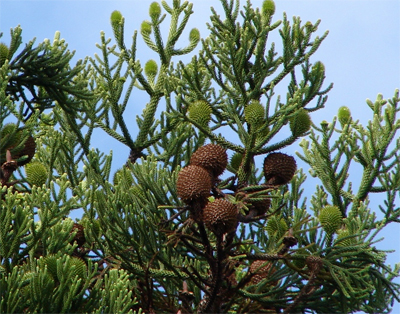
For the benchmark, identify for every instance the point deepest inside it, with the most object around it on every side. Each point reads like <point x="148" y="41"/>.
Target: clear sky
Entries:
<point x="361" y="53"/>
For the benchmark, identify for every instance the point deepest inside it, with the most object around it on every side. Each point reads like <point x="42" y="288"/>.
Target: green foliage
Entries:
<point x="4" y="51"/>
<point x="137" y="246"/>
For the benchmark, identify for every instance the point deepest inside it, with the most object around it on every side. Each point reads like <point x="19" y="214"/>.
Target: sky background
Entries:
<point x="361" y="53"/>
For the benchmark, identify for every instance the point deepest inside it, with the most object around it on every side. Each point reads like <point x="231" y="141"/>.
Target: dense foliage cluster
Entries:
<point x="191" y="223"/>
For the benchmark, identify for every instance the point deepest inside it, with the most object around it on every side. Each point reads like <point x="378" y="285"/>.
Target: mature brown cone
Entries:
<point x="220" y="216"/>
<point x="261" y="207"/>
<point x="260" y="272"/>
<point x="29" y="149"/>
<point x="211" y="157"/>
<point x="279" y="168"/>
<point x="79" y="236"/>
<point x="314" y="263"/>
<point x="193" y="183"/>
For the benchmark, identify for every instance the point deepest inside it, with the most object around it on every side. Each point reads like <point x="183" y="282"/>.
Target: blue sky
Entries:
<point x="361" y="53"/>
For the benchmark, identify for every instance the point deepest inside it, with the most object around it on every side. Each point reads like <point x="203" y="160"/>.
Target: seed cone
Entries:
<point x="279" y="168"/>
<point x="211" y="157"/>
<point x="314" y="262"/>
<point x="36" y="173"/>
<point x="260" y="272"/>
<point x="254" y="114"/>
<point x="276" y="227"/>
<point x="220" y="216"/>
<point x="268" y="7"/>
<point x="262" y="206"/>
<point x="331" y="219"/>
<point x="151" y="69"/>
<point x="193" y="183"/>
<point x="80" y="234"/>
<point x="300" y="123"/>
<point x="200" y="112"/>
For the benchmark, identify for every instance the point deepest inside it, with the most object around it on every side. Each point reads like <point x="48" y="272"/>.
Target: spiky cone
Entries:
<point x="331" y="219"/>
<point x="276" y="227"/>
<point x="200" y="112"/>
<point x="261" y="269"/>
<point x="279" y="168"/>
<point x="211" y="157"/>
<point x="261" y="207"/>
<point x="220" y="216"/>
<point x="268" y="8"/>
<point x="314" y="263"/>
<point x="300" y="123"/>
<point x="79" y="236"/>
<point x="254" y="114"/>
<point x="194" y="183"/>
<point x="36" y="173"/>
<point x="151" y="69"/>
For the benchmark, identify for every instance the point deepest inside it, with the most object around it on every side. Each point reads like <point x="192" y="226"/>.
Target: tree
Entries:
<point x="169" y="232"/>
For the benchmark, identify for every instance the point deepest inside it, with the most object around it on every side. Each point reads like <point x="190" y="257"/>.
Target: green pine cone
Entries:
<point x="254" y="113"/>
<point x="200" y="112"/>
<point x="344" y="115"/>
<point x="331" y="219"/>
<point x="276" y="228"/>
<point x="145" y="28"/>
<point x="155" y="11"/>
<point x="268" y="7"/>
<point x="151" y="68"/>
<point x="36" y="173"/>
<point x="4" y="51"/>
<point x="116" y="17"/>
<point x="300" y="123"/>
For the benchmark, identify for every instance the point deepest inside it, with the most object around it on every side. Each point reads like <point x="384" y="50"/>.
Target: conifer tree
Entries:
<point x="192" y="222"/>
